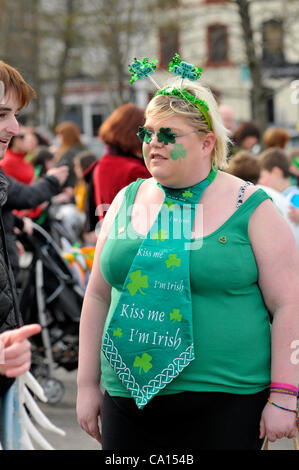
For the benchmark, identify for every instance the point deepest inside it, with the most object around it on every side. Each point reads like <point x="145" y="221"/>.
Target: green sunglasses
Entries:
<point x="164" y="135"/>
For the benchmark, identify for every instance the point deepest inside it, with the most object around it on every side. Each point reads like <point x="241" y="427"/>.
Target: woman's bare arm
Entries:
<point x="277" y="258"/>
<point x="94" y="312"/>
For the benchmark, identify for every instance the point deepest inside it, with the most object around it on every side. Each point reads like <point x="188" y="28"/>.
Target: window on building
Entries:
<point x="97" y="120"/>
<point x="218" y="48"/>
<point x="273" y="48"/>
<point x="73" y="113"/>
<point x="169" y="44"/>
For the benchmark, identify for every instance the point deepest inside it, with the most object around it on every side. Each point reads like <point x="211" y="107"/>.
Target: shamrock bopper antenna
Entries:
<point x="143" y="69"/>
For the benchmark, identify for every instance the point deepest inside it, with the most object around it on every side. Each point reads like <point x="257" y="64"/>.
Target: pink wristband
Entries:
<point x="285" y="386"/>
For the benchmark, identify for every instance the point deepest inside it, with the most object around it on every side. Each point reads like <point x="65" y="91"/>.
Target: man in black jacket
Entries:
<point x="15" y="93"/>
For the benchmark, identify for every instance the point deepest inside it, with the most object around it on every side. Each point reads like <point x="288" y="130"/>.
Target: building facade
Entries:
<point x="210" y="34"/>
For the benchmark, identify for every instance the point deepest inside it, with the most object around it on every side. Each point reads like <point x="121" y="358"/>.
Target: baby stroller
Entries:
<point x="50" y="295"/>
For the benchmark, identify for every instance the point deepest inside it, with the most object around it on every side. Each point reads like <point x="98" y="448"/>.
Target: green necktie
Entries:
<point x="149" y="340"/>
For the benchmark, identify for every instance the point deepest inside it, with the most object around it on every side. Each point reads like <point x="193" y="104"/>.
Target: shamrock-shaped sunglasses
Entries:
<point x="164" y="135"/>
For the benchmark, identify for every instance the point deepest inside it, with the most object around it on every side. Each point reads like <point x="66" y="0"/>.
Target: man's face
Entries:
<point x="9" y="125"/>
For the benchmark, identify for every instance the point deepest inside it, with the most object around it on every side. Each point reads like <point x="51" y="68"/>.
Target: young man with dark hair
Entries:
<point x="274" y="167"/>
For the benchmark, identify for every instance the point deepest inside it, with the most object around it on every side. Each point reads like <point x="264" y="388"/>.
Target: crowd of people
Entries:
<point x="266" y="160"/>
<point x="244" y="278"/>
<point x="93" y="181"/>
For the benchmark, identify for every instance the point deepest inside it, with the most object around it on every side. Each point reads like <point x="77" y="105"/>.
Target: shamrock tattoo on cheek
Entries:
<point x="178" y="152"/>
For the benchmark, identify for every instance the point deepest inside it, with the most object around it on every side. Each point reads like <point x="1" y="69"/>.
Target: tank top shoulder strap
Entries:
<point x="124" y="214"/>
<point x="131" y="191"/>
<point x="253" y="201"/>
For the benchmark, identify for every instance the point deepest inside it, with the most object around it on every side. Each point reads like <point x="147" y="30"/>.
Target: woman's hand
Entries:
<point x="89" y="408"/>
<point x="276" y="423"/>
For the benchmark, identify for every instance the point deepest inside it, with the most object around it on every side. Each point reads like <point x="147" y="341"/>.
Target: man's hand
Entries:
<point x="27" y="226"/>
<point x="15" y="350"/>
<point x="61" y="173"/>
<point x="64" y="197"/>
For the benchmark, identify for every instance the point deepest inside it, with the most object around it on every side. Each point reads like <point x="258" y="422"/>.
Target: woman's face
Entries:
<point x="174" y="152"/>
<point x="249" y="142"/>
<point x="30" y="142"/>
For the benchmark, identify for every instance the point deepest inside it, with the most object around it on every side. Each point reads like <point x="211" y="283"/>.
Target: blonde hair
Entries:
<point x="167" y="106"/>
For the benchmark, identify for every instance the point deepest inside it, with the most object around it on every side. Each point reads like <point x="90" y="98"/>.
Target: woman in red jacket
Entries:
<point x="122" y="161"/>
<point x="14" y="163"/>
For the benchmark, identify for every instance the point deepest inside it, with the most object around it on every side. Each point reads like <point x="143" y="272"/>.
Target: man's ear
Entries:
<point x="277" y="171"/>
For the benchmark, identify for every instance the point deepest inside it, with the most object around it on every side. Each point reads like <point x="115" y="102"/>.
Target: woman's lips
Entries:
<point x="157" y="157"/>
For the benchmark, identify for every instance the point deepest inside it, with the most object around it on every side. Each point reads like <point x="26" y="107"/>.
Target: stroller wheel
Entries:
<point x="54" y="390"/>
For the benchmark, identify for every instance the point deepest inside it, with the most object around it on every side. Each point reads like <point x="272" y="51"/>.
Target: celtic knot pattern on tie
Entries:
<point x="120" y="367"/>
<point x="142" y="396"/>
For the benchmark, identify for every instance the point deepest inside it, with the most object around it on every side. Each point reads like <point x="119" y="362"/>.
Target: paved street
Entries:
<point x="63" y="415"/>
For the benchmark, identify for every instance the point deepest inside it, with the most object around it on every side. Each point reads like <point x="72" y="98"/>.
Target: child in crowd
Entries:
<point x="244" y="166"/>
<point x="82" y="162"/>
<point x="42" y="160"/>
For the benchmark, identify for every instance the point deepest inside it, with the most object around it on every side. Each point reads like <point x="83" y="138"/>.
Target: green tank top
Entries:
<point x="230" y="321"/>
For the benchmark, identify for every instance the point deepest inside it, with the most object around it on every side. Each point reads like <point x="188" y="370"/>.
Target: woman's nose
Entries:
<point x="155" y="140"/>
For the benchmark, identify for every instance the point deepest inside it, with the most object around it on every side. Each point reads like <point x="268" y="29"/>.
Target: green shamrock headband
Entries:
<point x="144" y="69"/>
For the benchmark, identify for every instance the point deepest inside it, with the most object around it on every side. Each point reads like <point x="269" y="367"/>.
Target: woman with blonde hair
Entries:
<point x="188" y="265"/>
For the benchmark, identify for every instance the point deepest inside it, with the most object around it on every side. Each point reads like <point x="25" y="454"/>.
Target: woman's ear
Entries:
<point x="208" y="143"/>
